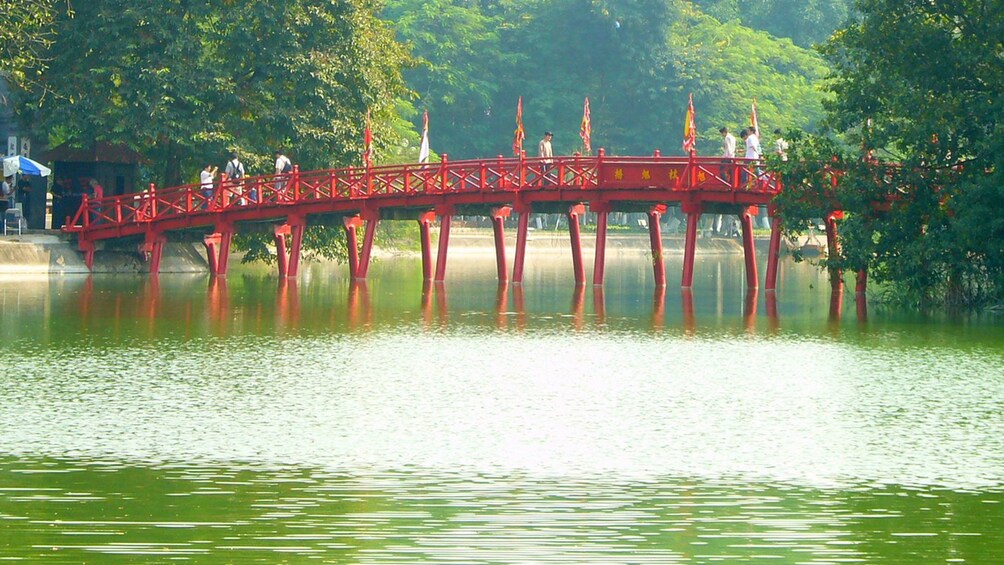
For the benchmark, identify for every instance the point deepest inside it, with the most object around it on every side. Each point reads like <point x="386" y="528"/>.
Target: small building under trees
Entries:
<point x="114" y="166"/>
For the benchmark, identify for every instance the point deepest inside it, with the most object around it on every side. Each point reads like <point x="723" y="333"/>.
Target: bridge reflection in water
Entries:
<point x="220" y="316"/>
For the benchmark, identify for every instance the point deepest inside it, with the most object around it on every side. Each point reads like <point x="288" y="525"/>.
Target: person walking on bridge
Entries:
<point x="206" y="184"/>
<point x="283" y="166"/>
<point x="546" y="155"/>
<point x="235" y="172"/>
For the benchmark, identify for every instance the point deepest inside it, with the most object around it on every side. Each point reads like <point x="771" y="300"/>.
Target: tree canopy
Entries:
<point x="917" y="85"/>
<point x="186" y="83"/>
<point x="636" y="60"/>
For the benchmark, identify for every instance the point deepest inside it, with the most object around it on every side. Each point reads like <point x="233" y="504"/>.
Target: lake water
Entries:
<point x="245" y="421"/>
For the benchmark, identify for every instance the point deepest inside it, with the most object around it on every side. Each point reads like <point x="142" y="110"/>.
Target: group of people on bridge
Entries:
<point x="232" y="186"/>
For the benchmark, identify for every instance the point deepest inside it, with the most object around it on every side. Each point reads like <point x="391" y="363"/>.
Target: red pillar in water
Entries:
<point x="425" y="220"/>
<point x="524" y="211"/>
<point x="498" y="218"/>
<point x="773" y="253"/>
<point x="602" y="210"/>
<point x="749" y="248"/>
<point x="352" y="223"/>
<point x="445" y="216"/>
<point x="280" y="232"/>
<point x="372" y="219"/>
<point x="693" y="211"/>
<point x="575" y="211"/>
<point x="833" y="249"/>
<point x="655" y="237"/>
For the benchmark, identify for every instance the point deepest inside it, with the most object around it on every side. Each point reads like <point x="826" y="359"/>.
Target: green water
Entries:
<point x="246" y="421"/>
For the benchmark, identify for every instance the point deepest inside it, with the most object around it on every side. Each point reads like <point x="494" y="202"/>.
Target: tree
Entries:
<point x="805" y="22"/>
<point x="185" y="83"/>
<point x="635" y="60"/>
<point x="918" y="84"/>
<point x="25" y="36"/>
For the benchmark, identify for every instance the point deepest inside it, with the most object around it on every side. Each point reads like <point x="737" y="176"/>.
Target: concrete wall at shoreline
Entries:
<point x="40" y="253"/>
<point x="44" y="253"/>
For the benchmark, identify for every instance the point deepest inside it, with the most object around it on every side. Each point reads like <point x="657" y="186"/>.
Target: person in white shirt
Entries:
<point x="780" y="146"/>
<point x="206" y="183"/>
<point x="728" y="167"/>
<point x="283" y="166"/>
<point x="545" y="154"/>
<point x="753" y="150"/>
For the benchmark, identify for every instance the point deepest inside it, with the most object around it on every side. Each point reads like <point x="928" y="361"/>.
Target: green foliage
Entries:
<point x="25" y="36"/>
<point x="635" y="60"/>
<point x="185" y="83"/>
<point x="918" y="84"/>
<point x="805" y="22"/>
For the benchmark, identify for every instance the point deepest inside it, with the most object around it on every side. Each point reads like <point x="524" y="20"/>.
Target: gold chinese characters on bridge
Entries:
<point x="656" y="176"/>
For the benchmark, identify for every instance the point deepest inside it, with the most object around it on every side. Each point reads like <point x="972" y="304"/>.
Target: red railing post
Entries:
<point x="152" y="199"/>
<point x="296" y="183"/>
<point x="600" y="154"/>
<point x="522" y="171"/>
<point x="85" y="205"/>
<point x="503" y="174"/>
<point x="443" y="173"/>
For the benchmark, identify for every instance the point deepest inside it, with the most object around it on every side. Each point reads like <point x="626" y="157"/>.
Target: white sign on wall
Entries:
<point x="11" y="146"/>
<point x="26" y="147"/>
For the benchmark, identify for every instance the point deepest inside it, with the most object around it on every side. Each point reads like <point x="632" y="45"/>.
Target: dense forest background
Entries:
<point x="636" y="60"/>
<point x="184" y="84"/>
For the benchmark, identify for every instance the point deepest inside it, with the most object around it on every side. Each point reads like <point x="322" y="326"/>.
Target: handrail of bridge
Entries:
<point x="448" y="177"/>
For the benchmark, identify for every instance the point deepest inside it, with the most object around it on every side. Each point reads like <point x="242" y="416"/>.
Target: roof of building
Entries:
<point x="98" y="152"/>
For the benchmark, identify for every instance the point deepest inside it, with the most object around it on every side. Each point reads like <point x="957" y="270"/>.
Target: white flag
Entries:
<point x="423" y="152"/>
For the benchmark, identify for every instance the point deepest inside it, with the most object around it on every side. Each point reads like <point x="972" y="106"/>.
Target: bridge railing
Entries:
<point x="448" y="177"/>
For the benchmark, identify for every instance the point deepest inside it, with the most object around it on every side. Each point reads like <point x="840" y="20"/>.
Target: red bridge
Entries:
<point x="423" y="192"/>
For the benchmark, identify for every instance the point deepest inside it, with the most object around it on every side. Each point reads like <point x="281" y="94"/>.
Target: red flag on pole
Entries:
<point x="690" y="129"/>
<point x="367" y="143"/>
<point x="753" y="119"/>
<point x="586" y="129"/>
<point x="518" y="135"/>
<point x="423" y="152"/>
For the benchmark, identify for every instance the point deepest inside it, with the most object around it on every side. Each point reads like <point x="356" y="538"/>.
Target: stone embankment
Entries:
<point x="53" y="252"/>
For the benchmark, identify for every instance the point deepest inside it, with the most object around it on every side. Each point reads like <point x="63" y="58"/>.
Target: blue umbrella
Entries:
<point x="25" y="166"/>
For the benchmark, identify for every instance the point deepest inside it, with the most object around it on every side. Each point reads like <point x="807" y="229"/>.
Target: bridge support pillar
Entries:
<point x="774" y="251"/>
<point x="289" y="258"/>
<point x="218" y="248"/>
<point x="575" y="211"/>
<point x="602" y="211"/>
<point x="352" y="223"/>
<point x="693" y="211"/>
<point x="749" y="248"/>
<point x="445" y="217"/>
<point x="152" y="249"/>
<point x="862" y="282"/>
<point x="364" y="258"/>
<point x="87" y="247"/>
<point x="498" y="227"/>
<point x="655" y="237"/>
<point x="523" y="228"/>
<point x="425" y="220"/>
<point x="833" y="249"/>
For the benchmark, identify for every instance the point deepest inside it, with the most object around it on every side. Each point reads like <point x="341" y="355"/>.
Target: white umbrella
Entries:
<point x="25" y="166"/>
